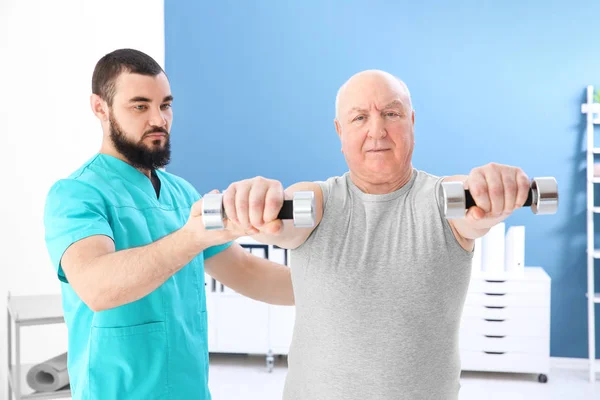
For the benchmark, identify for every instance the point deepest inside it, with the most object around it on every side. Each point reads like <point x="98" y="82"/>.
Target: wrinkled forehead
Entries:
<point x="372" y="90"/>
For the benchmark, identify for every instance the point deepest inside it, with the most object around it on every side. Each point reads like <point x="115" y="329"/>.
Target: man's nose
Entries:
<point x="377" y="129"/>
<point x="158" y="119"/>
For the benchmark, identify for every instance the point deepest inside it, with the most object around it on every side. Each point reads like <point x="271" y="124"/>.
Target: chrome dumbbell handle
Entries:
<point x="542" y="197"/>
<point x="301" y="209"/>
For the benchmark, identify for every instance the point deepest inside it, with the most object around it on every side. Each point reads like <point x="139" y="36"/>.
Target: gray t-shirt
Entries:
<point x="380" y="286"/>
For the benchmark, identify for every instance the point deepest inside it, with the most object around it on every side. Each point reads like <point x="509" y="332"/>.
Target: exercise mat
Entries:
<point x="50" y="375"/>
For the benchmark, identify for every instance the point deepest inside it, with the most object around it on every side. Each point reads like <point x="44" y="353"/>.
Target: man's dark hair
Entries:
<point x="113" y="64"/>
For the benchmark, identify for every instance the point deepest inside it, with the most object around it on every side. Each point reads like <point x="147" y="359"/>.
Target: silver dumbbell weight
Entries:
<point x="542" y="198"/>
<point x="301" y="209"/>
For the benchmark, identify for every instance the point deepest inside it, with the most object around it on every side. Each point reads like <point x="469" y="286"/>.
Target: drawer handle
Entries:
<point x="494" y="320"/>
<point x="494" y="337"/>
<point x="494" y="281"/>
<point x="494" y="352"/>
<point x="495" y="307"/>
<point x="494" y="294"/>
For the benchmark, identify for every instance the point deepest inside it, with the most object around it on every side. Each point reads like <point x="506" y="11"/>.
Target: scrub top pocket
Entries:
<point x="129" y="362"/>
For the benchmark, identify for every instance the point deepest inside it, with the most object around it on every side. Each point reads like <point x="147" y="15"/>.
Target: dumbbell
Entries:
<point x="301" y="209"/>
<point x="542" y="197"/>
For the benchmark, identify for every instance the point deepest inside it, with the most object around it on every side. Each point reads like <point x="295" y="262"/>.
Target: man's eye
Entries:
<point x="140" y="107"/>
<point x="166" y="106"/>
<point x="392" y="114"/>
<point x="359" y="118"/>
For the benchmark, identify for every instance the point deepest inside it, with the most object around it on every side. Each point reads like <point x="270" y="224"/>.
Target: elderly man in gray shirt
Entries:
<point x="380" y="281"/>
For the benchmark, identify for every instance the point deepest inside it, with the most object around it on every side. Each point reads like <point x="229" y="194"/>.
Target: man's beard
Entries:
<point x="138" y="154"/>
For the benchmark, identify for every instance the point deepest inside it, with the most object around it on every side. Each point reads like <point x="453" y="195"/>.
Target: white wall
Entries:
<point x="48" y="50"/>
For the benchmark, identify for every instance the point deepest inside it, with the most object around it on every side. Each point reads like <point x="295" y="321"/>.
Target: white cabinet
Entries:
<point x="238" y="324"/>
<point x="281" y="327"/>
<point x="505" y="325"/>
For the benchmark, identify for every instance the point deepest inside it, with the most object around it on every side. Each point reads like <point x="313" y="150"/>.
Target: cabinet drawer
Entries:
<point x="524" y="327"/>
<point x="509" y="299"/>
<point x="491" y="286"/>
<point x="504" y="344"/>
<point x="507" y="362"/>
<point x="504" y="312"/>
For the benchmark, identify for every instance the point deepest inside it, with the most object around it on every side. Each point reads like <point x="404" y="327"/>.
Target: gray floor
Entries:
<point x="245" y="377"/>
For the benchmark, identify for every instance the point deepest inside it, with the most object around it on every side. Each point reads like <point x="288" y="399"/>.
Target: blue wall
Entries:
<point x="255" y="85"/>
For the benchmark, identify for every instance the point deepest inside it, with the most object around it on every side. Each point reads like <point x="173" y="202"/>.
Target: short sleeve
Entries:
<point x="214" y="250"/>
<point x="439" y="197"/>
<point x="73" y="211"/>
<point x="324" y="185"/>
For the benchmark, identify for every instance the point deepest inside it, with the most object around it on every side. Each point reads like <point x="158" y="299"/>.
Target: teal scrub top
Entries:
<point x="152" y="348"/>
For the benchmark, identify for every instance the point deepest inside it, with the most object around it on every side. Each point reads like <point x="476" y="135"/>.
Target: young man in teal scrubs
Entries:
<point x="129" y="246"/>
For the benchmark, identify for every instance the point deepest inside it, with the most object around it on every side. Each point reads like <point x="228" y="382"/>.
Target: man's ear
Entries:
<point x="99" y="107"/>
<point x="338" y="128"/>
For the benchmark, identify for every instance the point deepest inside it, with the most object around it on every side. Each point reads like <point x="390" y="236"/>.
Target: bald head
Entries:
<point x="375" y="124"/>
<point x="367" y="83"/>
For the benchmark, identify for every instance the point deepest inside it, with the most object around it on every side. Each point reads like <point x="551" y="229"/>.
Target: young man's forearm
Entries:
<point x="125" y="276"/>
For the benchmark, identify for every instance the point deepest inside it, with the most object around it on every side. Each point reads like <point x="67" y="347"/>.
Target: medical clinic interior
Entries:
<point x="300" y="200"/>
